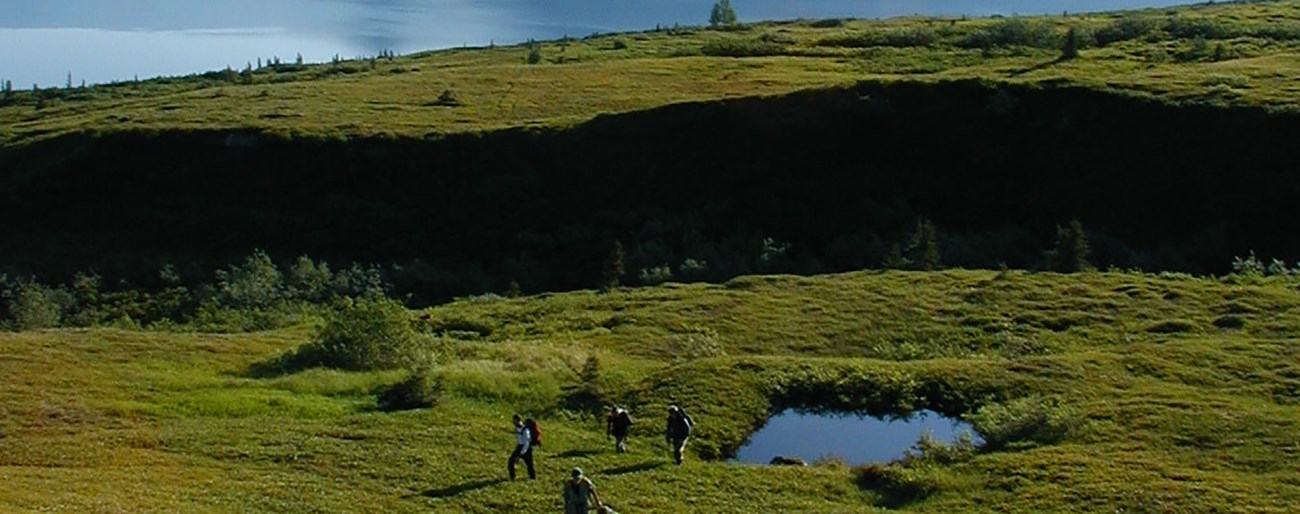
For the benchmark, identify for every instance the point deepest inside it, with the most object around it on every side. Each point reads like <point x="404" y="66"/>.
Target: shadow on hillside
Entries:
<point x="286" y="363"/>
<point x="634" y="468"/>
<point x="1037" y="67"/>
<point x="448" y="492"/>
<point x="577" y="453"/>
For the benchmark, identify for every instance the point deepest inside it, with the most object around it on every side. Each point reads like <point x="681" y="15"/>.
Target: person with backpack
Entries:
<point x="679" y="429"/>
<point x="579" y="493"/>
<point x="523" y="448"/>
<point x="618" y="424"/>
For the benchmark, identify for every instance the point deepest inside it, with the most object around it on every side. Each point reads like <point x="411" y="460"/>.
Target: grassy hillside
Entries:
<point x="1237" y="53"/>
<point x="1176" y="394"/>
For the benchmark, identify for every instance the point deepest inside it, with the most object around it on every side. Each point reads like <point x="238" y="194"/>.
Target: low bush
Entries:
<point x="420" y="390"/>
<point x="741" y="47"/>
<point x="1190" y="28"/>
<point x="899" y="483"/>
<point x="1126" y="28"/>
<point x="908" y="37"/>
<point x="361" y="335"/>
<point x="1013" y="32"/>
<point x="1029" y="420"/>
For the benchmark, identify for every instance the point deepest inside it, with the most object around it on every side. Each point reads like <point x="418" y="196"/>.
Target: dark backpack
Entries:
<point x="535" y="438"/>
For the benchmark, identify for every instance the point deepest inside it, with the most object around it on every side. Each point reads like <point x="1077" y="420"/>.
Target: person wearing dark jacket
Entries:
<point x="679" y="429"/>
<point x="618" y="424"/>
<point x="523" y="449"/>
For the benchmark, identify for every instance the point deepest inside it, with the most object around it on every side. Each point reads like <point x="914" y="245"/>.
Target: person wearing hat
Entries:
<point x="579" y="493"/>
<point x="679" y="429"/>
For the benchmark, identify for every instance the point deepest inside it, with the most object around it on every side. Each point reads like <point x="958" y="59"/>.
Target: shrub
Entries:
<point x="1032" y="420"/>
<point x="1249" y="266"/>
<point x="907" y="37"/>
<point x="930" y="449"/>
<point x="656" y="275"/>
<point x="1125" y="29"/>
<point x="366" y="334"/>
<point x="361" y="282"/>
<point x="829" y="23"/>
<point x="693" y="269"/>
<point x="898" y="483"/>
<point x="1014" y="32"/>
<point x="309" y="280"/>
<point x="32" y="306"/>
<point x="419" y="391"/>
<point x="448" y="98"/>
<point x="255" y="283"/>
<point x="620" y="44"/>
<point x="1191" y="28"/>
<point x="780" y="38"/>
<point x="741" y="47"/>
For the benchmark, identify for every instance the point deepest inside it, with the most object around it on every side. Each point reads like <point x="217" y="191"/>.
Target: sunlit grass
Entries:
<point x="1178" y="413"/>
<point x="582" y="78"/>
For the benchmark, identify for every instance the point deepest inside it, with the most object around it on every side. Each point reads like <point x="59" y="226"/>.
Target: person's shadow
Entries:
<point x="634" y="468"/>
<point x="448" y="492"/>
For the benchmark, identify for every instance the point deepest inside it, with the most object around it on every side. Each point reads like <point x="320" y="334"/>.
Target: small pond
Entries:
<point x="852" y="438"/>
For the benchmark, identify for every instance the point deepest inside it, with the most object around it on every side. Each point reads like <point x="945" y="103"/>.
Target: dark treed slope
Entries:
<point x="839" y="175"/>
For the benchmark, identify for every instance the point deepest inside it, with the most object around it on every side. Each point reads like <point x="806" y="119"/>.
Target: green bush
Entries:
<point x="907" y="37"/>
<point x="365" y="334"/>
<point x="1014" y="32"/>
<point x="1126" y="28"/>
<point x="741" y="47"/>
<point x="32" y="306"/>
<point x="1192" y="28"/>
<point x="899" y="483"/>
<point x="419" y="391"/>
<point x="1028" y="420"/>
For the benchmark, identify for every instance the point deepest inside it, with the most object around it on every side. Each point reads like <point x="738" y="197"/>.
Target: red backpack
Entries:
<point x="535" y="431"/>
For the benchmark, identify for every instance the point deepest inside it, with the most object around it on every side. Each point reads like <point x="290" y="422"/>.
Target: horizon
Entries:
<point x="148" y="39"/>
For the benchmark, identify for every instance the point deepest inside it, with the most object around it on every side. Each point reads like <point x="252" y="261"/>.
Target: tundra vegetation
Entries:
<point x="289" y="380"/>
<point x="1091" y="391"/>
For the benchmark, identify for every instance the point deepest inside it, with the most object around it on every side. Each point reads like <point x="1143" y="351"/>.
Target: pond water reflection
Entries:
<point x="854" y="439"/>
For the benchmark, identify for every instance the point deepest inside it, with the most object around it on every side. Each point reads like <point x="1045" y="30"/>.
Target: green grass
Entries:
<point x="1249" y="58"/>
<point x="1177" y="414"/>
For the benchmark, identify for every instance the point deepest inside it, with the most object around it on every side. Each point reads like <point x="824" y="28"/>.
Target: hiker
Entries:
<point x="617" y="425"/>
<point x="523" y="448"/>
<point x="679" y="429"/>
<point x="578" y="494"/>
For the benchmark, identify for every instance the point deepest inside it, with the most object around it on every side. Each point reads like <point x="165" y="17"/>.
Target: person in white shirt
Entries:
<point x="523" y="449"/>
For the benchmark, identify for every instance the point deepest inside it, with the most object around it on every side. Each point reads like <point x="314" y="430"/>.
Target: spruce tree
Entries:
<point x="723" y="15"/>
<point x="1070" y="48"/>
<point x="613" y="267"/>
<point x="1070" y="255"/>
<point x="923" y="249"/>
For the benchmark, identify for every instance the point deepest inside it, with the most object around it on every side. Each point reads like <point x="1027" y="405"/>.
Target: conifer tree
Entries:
<point x="1070" y="254"/>
<point x="1070" y="48"/>
<point x="923" y="249"/>
<point x="613" y="267"/>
